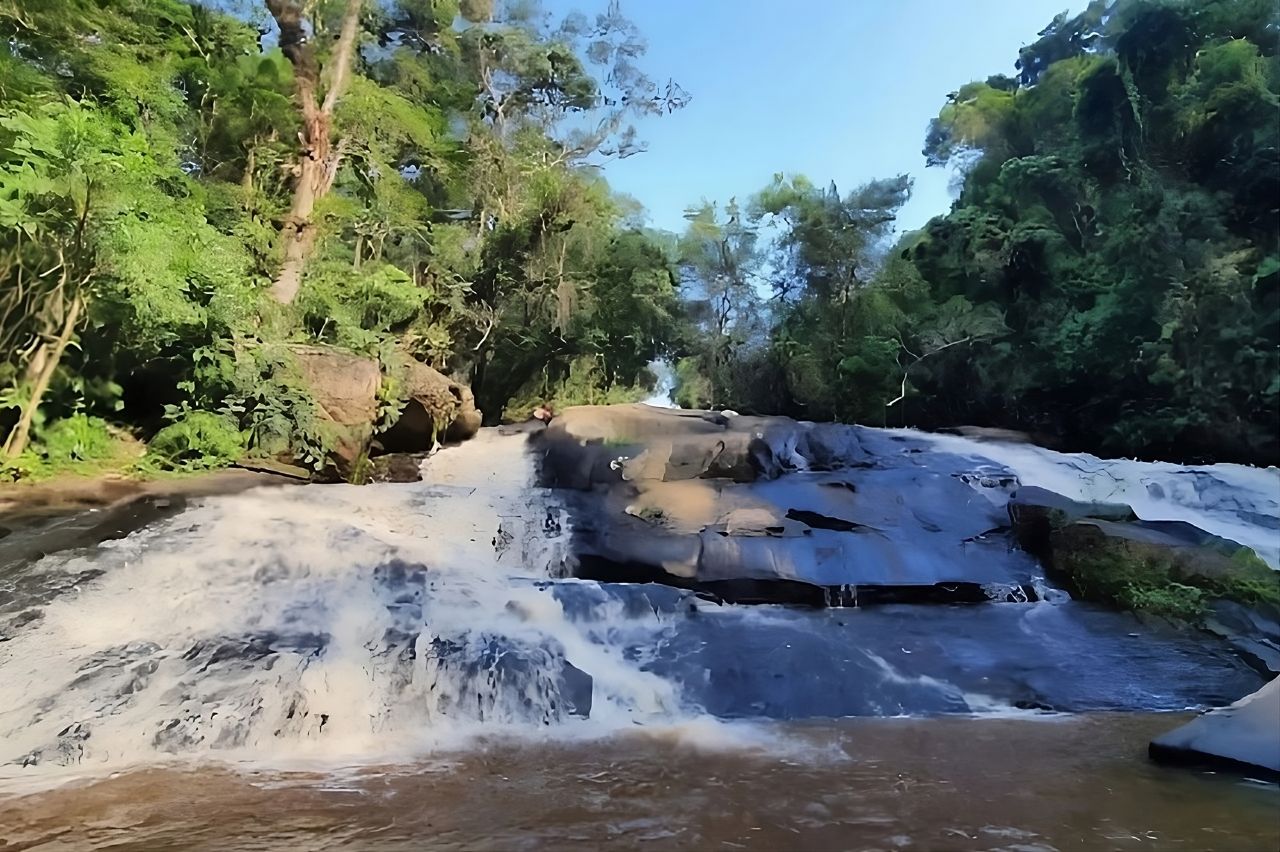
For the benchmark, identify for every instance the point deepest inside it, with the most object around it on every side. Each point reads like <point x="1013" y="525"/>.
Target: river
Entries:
<point x="409" y="666"/>
<point x="1068" y="783"/>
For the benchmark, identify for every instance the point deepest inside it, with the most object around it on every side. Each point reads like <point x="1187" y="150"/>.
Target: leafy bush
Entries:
<point x="1155" y="584"/>
<point x="584" y="383"/>
<point x="78" y="438"/>
<point x="198" y="440"/>
<point x="356" y="308"/>
<point x="693" y="388"/>
<point x="78" y="443"/>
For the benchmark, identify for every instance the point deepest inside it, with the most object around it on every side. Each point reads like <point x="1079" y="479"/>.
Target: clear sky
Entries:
<point x="834" y="89"/>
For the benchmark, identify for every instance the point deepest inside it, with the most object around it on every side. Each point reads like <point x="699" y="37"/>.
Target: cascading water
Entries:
<point x="1233" y="501"/>
<point x="664" y="388"/>
<point x="358" y="622"/>
<point x="369" y="624"/>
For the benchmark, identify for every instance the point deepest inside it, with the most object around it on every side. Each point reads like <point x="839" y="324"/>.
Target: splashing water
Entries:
<point x="664" y="389"/>
<point x="366" y="622"/>
<point x="343" y="624"/>
<point x="1233" y="501"/>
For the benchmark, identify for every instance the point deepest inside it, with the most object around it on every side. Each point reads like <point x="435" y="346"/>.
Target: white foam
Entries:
<point x="1236" y="502"/>
<point x="664" y="389"/>
<point x="114" y="675"/>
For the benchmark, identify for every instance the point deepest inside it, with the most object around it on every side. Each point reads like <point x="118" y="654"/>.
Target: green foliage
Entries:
<point x="197" y="440"/>
<point x="256" y="388"/>
<point x="79" y="443"/>
<point x="148" y="160"/>
<point x="693" y="388"/>
<point x="1153" y="583"/>
<point x="1115" y="218"/>
<point x="1146" y="585"/>
<point x="721" y="268"/>
<point x="78" y="438"/>
<point x="583" y="383"/>
<point x="357" y="309"/>
<point x="840" y="325"/>
<point x="1110" y="272"/>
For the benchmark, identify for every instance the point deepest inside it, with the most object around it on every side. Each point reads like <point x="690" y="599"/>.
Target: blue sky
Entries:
<point x="834" y="89"/>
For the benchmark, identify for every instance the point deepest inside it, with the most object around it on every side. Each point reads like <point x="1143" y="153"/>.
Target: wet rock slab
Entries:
<point x="796" y="663"/>
<point x="1244" y="737"/>
<point x="767" y="509"/>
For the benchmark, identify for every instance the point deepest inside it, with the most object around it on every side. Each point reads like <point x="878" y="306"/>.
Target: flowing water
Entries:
<point x="399" y="666"/>
<point x="889" y="784"/>
<point x="1233" y="501"/>
<point x="664" y="388"/>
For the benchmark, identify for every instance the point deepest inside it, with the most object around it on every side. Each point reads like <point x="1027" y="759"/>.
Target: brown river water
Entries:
<point x="1064" y="783"/>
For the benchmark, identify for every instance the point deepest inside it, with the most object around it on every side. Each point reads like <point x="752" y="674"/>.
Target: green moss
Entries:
<point x="585" y="383"/>
<point x="1164" y="585"/>
<point x="76" y="445"/>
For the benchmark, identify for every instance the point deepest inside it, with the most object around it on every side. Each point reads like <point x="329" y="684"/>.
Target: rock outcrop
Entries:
<point x="1244" y="737"/>
<point x="770" y="510"/>
<point x="1103" y="552"/>
<point x="345" y="389"/>
<point x="862" y="531"/>
<point x="436" y="409"/>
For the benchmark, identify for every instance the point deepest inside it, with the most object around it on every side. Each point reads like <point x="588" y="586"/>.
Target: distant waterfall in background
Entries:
<point x="665" y="388"/>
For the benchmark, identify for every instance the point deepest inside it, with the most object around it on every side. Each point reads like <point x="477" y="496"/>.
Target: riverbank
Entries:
<point x="74" y="492"/>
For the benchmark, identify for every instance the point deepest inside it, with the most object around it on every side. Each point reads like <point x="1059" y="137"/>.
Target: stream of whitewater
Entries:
<point x="393" y="666"/>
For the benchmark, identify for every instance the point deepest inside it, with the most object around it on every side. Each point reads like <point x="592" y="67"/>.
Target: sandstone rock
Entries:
<point x="395" y="467"/>
<point x="1252" y="631"/>
<point x="344" y="387"/>
<point x="1104" y="552"/>
<point x="1162" y="552"/>
<point x="700" y="500"/>
<point x="1033" y="501"/>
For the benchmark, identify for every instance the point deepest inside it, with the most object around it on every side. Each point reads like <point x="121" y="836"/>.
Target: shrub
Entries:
<point x="198" y="440"/>
<point x="78" y="438"/>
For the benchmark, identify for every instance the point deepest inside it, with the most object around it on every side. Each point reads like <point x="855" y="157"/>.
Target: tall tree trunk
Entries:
<point x="318" y="165"/>
<point x="21" y="434"/>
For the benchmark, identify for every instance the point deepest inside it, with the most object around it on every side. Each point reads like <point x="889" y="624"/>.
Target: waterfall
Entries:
<point x="283" y="623"/>
<point x="339" y="624"/>
<point x="664" y="388"/>
<point x="1233" y="501"/>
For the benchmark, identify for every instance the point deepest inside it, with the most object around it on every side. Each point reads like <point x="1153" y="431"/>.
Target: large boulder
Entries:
<point x="767" y="509"/>
<point x="1170" y="567"/>
<point x="1243" y="737"/>
<point x="344" y="387"/>
<point x="1102" y="552"/>
<point x="437" y="408"/>
<point x="1252" y="631"/>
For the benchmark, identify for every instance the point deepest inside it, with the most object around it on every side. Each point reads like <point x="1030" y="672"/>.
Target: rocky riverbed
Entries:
<point x="626" y="569"/>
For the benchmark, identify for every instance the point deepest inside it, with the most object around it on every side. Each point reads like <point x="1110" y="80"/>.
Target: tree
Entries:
<point x="1113" y="215"/>
<point x="839" y="335"/>
<point x="49" y="166"/>
<point x="317" y="91"/>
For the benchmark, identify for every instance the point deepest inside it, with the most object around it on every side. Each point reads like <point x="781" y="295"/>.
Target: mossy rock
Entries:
<point x="1170" y="569"/>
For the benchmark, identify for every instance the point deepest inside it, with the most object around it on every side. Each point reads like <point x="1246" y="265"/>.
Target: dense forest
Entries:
<point x="188" y="192"/>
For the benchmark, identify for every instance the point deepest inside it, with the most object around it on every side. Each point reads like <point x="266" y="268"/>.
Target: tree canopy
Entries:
<point x="184" y="192"/>
<point x="1109" y="276"/>
<point x="188" y="190"/>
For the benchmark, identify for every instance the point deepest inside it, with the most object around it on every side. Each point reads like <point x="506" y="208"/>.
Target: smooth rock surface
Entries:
<point x="768" y="509"/>
<point x="1244" y="736"/>
<point x="344" y="387"/>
